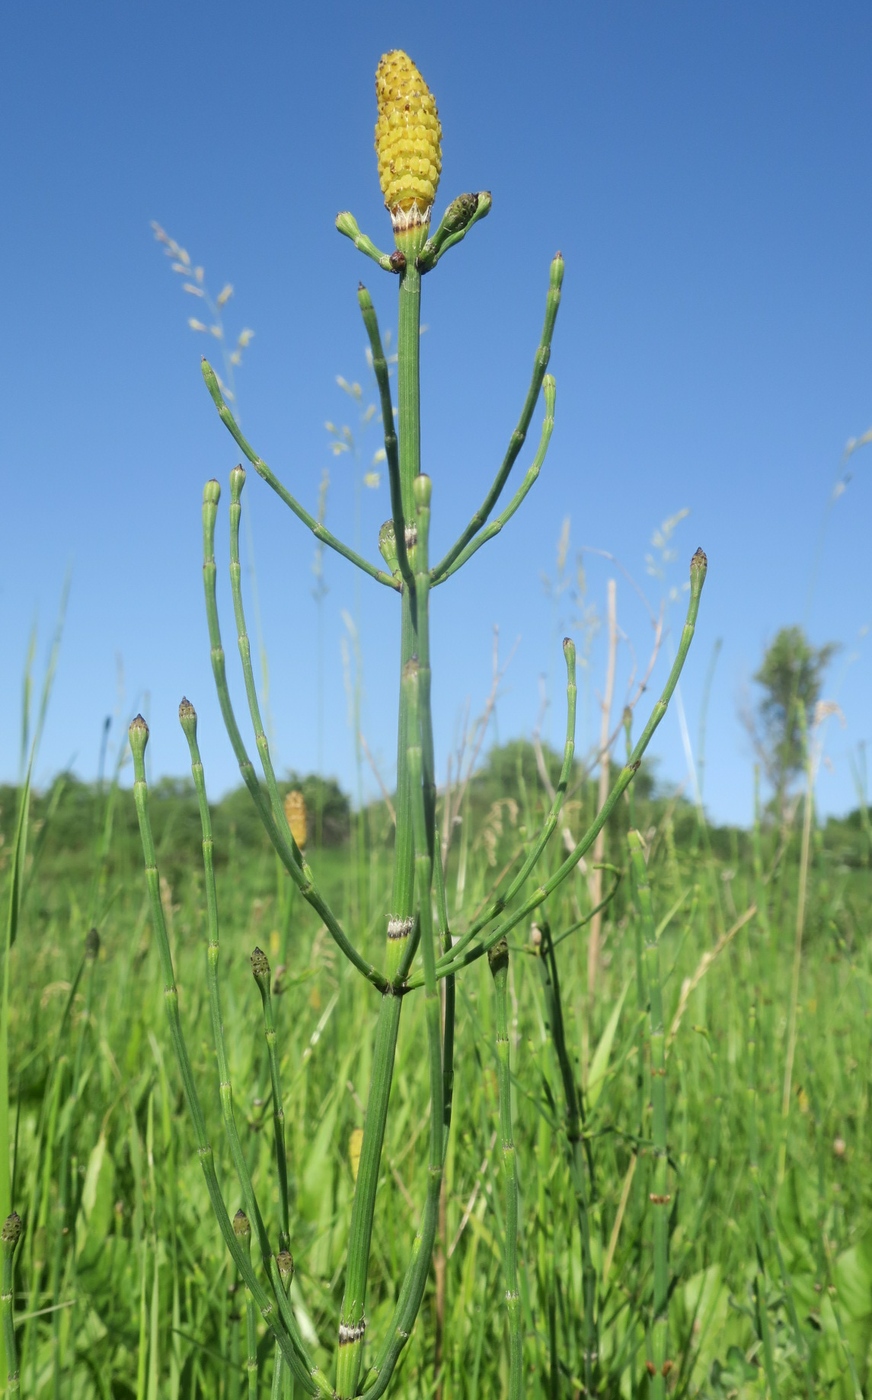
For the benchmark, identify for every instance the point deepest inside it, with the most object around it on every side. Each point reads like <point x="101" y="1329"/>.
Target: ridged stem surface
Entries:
<point x="401" y="933"/>
<point x="10" y="1235"/>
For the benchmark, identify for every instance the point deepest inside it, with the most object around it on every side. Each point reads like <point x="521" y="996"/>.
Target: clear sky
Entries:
<point x="705" y="170"/>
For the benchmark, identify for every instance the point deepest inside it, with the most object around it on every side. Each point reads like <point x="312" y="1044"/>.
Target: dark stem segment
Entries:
<point x="580" y="1165"/>
<point x="498" y="958"/>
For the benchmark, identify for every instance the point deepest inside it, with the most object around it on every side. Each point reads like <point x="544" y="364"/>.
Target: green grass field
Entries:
<point x="551" y="1090"/>
<point x="123" y="1286"/>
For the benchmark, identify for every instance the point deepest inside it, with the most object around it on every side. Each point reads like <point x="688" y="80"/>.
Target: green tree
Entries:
<point x="791" y="678"/>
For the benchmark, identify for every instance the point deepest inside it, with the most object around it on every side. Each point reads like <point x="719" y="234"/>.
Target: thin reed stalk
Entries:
<point x="578" y="1154"/>
<point x="498" y="957"/>
<point x="242" y="1229"/>
<point x="660" y="1199"/>
<point x="605" y="760"/>
<point x="761" y="1302"/>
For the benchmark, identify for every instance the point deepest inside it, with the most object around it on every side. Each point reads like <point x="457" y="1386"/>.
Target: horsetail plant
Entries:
<point x="421" y="948"/>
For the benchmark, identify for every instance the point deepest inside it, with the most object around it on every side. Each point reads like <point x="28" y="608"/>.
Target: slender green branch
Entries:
<point x="499" y="966"/>
<point x="540" y="364"/>
<point x="392" y="454"/>
<point x="242" y="1229"/>
<point x="314" y="1383"/>
<point x="285" y="1265"/>
<point x="280" y="836"/>
<point x="698" y="566"/>
<point x="549" y="390"/>
<point x="597" y="908"/>
<point x="260" y="968"/>
<point x="460" y="216"/>
<point x="457" y="951"/>
<point x="347" y="224"/>
<point x="448" y="991"/>
<point x="319" y="530"/>
<point x="188" y="720"/>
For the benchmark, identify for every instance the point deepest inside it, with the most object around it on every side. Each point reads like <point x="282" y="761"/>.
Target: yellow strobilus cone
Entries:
<point x="408" y="141"/>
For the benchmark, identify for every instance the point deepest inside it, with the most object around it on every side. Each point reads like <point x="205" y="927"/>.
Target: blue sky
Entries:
<point x="704" y="170"/>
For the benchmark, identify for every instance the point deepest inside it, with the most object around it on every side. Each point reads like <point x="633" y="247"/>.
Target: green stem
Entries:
<point x="260" y="968"/>
<point x="499" y="965"/>
<point x="242" y="1229"/>
<point x="659" y="1196"/>
<point x="415" y="1277"/>
<point x="580" y="1166"/>
<point x="414" y="1282"/>
<point x="540" y="364"/>
<point x="10" y="1235"/>
<point x="401" y="921"/>
<point x="760" y="1289"/>
<point x="380" y="370"/>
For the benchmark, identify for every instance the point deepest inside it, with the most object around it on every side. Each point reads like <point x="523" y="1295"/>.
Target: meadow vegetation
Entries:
<point x="123" y="1286"/>
<point x="617" y="1144"/>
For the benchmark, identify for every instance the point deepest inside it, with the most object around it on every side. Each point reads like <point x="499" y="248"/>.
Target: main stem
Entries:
<point x="401" y="921"/>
